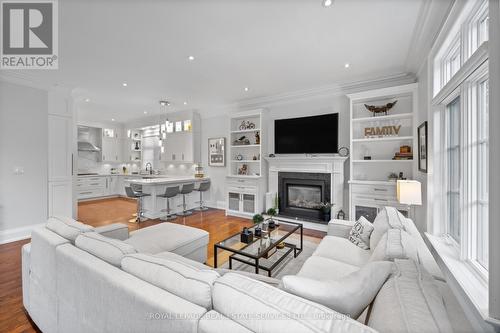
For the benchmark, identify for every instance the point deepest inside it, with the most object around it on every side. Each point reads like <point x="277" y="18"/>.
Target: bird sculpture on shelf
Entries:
<point x="380" y="109"/>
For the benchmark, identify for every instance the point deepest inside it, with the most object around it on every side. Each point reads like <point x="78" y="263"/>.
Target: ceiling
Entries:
<point x="271" y="47"/>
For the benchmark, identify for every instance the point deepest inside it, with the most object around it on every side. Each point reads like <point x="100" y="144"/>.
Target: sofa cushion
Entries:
<point x="387" y="218"/>
<point x="321" y="268"/>
<point x="342" y="249"/>
<point x="170" y="237"/>
<point x="360" y="233"/>
<point x="395" y="244"/>
<point x="349" y="295"/>
<point x="67" y="228"/>
<point x="409" y="301"/>
<point x="263" y="308"/>
<point x="175" y="276"/>
<point x="108" y="249"/>
<point x="175" y="257"/>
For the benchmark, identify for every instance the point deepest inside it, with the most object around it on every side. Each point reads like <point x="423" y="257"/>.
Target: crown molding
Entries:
<point x="26" y="80"/>
<point x="430" y="21"/>
<point x="322" y="92"/>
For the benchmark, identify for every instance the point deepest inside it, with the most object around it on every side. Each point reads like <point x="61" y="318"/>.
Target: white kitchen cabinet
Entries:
<point x="110" y="145"/>
<point x="183" y="145"/>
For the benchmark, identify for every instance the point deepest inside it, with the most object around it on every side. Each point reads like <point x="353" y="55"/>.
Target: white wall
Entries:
<point x="23" y="144"/>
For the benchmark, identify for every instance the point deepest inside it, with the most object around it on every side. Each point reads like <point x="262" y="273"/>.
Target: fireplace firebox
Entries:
<point x="301" y="194"/>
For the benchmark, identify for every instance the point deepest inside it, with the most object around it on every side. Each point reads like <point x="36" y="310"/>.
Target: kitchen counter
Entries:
<point x="154" y="206"/>
<point x="123" y="175"/>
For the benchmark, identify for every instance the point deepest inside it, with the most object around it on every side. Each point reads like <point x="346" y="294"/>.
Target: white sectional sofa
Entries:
<point x="82" y="281"/>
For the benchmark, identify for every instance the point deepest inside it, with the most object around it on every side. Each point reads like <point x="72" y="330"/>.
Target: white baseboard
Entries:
<point x="15" y="234"/>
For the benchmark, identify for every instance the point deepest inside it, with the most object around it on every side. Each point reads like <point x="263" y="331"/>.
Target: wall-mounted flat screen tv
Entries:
<point x="307" y="135"/>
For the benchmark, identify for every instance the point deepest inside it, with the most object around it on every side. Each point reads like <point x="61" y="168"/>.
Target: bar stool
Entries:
<point x="170" y="192"/>
<point x="203" y="187"/>
<point x="137" y="195"/>
<point x="186" y="189"/>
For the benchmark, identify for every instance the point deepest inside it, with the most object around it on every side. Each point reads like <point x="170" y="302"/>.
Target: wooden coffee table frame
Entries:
<point x="254" y="259"/>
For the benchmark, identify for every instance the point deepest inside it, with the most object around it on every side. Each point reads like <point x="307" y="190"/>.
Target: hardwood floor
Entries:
<point x="13" y="317"/>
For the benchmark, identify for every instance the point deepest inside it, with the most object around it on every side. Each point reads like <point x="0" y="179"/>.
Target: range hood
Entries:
<point x="87" y="146"/>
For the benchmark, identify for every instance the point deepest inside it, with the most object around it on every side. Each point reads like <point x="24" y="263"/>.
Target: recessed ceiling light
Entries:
<point x="145" y="112"/>
<point x="185" y="103"/>
<point x="124" y="84"/>
<point x="246" y="89"/>
<point x="87" y="100"/>
<point x="112" y="119"/>
<point x="191" y="58"/>
<point x="327" y="3"/>
<point x="347" y="65"/>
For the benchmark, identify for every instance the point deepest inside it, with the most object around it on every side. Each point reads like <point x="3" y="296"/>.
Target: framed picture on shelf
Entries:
<point x="422" y="147"/>
<point x="217" y="152"/>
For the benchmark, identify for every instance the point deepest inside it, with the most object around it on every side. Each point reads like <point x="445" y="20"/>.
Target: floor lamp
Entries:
<point x="409" y="192"/>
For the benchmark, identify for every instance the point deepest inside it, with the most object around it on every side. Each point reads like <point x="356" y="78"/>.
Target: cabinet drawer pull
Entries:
<point x="377" y="199"/>
<point x="95" y="184"/>
<point x="85" y="192"/>
<point x="380" y="189"/>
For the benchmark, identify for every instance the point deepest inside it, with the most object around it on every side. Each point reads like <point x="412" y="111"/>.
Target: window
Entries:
<point x="461" y="140"/>
<point x="482" y="176"/>
<point x="452" y="126"/>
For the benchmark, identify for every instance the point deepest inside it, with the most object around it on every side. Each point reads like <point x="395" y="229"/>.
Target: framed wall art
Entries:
<point x="217" y="152"/>
<point x="422" y="147"/>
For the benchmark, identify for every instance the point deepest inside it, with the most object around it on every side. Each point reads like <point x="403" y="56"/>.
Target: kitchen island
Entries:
<point x="153" y="205"/>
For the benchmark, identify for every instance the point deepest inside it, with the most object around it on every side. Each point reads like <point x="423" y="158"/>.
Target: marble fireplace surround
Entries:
<point x="330" y="164"/>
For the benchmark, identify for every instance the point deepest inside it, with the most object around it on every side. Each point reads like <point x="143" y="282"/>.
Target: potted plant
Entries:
<point x="272" y="213"/>
<point x="326" y="207"/>
<point x="257" y="218"/>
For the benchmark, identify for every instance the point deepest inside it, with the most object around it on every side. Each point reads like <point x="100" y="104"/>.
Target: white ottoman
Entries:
<point x="186" y="241"/>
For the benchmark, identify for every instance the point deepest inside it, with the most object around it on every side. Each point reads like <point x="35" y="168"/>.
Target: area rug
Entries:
<point x="289" y="265"/>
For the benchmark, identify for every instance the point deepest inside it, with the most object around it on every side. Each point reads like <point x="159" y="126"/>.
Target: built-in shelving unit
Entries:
<point x="246" y="179"/>
<point x="374" y="142"/>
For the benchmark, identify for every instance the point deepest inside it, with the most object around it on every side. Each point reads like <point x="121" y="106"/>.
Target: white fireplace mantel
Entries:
<point x="332" y="164"/>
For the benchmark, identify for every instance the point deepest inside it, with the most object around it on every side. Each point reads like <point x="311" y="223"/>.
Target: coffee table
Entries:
<point x="262" y="252"/>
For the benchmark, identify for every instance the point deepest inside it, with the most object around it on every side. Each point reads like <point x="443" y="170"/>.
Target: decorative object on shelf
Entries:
<point x="246" y="236"/>
<point x="367" y="158"/>
<point x="124" y="169"/>
<point x="380" y="109"/>
<point x="341" y="215"/>
<point x="246" y="125"/>
<point x="393" y="177"/>
<point x="404" y="153"/>
<point x="243" y="170"/>
<point x="344" y="151"/>
<point x="137" y="145"/>
<point x="272" y="155"/>
<point x="242" y="141"/>
<point x="272" y="213"/>
<point x="254" y="158"/>
<point x="401" y="176"/>
<point x="381" y="131"/>
<point x="326" y="208"/>
<point x="217" y="152"/>
<point x="198" y="171"/>
<point x="257" y="138"/>
<point x="422" y="147"/>
<point x="239" y="157"/>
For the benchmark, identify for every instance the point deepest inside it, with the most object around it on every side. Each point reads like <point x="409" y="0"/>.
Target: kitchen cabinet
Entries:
<point x="112" y="143"/>
<point x="182" y="143"/>
<point x="179" y="148"/>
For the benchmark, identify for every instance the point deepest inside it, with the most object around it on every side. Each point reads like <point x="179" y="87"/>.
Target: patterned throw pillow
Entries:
<point x="360" y="233"/>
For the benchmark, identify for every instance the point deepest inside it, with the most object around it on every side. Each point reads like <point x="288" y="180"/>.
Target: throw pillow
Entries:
<point x="395" y="244"/>
<point x="360" y="233"/>
<point x="350" y="295"/>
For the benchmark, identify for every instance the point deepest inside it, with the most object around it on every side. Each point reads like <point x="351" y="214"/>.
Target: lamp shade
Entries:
<point x="409" y="192"/>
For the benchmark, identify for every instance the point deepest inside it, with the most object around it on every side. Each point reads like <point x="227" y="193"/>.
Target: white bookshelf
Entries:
<point x="245" y="192"/>
<point x="369" y="185"/>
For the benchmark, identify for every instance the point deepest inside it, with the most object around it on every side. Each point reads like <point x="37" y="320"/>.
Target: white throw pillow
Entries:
<point x="350" y="295"/>
<point x="67" y="228"/>
<point x="386" y="219"/>
<point x="108" y="249"/>
<point x="360" y="233"/>
<point x="395" y="244"/>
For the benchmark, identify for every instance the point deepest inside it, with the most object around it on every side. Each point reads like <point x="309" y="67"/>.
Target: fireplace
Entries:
<point x="301" y="194"/>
